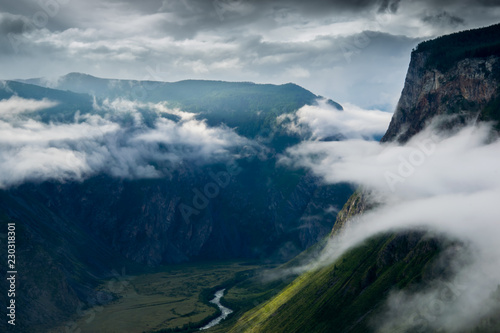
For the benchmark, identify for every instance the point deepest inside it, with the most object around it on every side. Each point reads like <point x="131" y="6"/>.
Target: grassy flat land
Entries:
<point x="168" y="298"/>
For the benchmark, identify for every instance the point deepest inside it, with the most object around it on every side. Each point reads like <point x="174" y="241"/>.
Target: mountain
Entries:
<point x="237" y="104"/>
<point x="454" y="75"/>
<point x="457" y="76"/>
<point x="221" y="196"/>
<point x="277" y="194"/>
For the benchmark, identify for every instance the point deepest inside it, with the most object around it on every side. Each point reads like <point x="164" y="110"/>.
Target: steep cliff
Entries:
<point x="452" y="80"/>
<point x="458" y="81"/>
<point x="358" y="203"/>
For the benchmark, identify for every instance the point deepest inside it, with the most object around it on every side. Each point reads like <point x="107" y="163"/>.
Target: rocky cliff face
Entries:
<point x="61" y="262"/>
<point x="358" y="202"/>
<point x="252" y="216"/>
<point x="462" y="92"/>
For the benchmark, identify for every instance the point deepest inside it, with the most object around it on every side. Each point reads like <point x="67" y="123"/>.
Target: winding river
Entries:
<point x="225" y="311"/>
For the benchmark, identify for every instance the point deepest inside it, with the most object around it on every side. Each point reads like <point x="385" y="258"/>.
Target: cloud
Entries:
<point x="12" y="24"/>
<point x="297" y="72"/>
<point x="427" y="164"/>
<point x="95" y="144"/>
<point x="324" y="121"/>
<point x="15" y="105"/>
<point x="447" y="184"/>
<point x="391" y="6"/>
<point x="31" y="131"/>
<point x="334" y="48"/>
<point x="193" y="133"/>
<point x="443" y="18"/>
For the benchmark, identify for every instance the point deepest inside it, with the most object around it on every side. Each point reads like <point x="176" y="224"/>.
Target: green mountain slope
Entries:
<point x="245" y="106"/>
<point x="346" y="295"/>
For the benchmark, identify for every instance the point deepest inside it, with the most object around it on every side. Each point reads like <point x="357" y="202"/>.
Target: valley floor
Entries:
<point x="172" y="298"/>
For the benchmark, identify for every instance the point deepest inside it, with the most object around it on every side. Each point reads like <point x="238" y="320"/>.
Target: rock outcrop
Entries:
<point x="461" y="92"/>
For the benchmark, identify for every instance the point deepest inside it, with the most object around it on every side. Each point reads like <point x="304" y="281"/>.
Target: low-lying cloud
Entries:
<point x="446" y="184"/>
<point x="15" y="105"/>
<point x="427" y="165"/>
<point x="323" y="121"/>
<point x="36" y="151"/>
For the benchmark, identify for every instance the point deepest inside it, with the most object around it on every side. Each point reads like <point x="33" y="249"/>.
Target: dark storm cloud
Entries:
<point x="388" y="5"/>
<point x="192" y="16"/>
<point x="20" y="7"/>
<point x="186" y="18"/>
<point x="50" y="14"/>
<point x="326" y="7"/>
<point x="12" y="27"/>
<point x="11" y="24"/>
<point x="443" y="18"/>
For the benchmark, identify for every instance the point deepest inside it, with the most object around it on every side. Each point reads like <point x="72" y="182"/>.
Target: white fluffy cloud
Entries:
<point x="15" y="105"/>
<point x="426" y="165"/>
<point x="324" y="120"/>
<point x="32" y="150"/>
<point x="446" y="184"/>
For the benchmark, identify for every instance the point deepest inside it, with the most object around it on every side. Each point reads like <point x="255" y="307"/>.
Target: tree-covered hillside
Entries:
<point x="445" y="51"/>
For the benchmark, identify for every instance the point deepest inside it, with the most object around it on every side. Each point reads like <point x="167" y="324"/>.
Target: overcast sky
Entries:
<point x="353" y="51"/>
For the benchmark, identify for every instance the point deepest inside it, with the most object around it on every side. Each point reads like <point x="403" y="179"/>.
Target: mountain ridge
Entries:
<point x="147" y="90"/>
